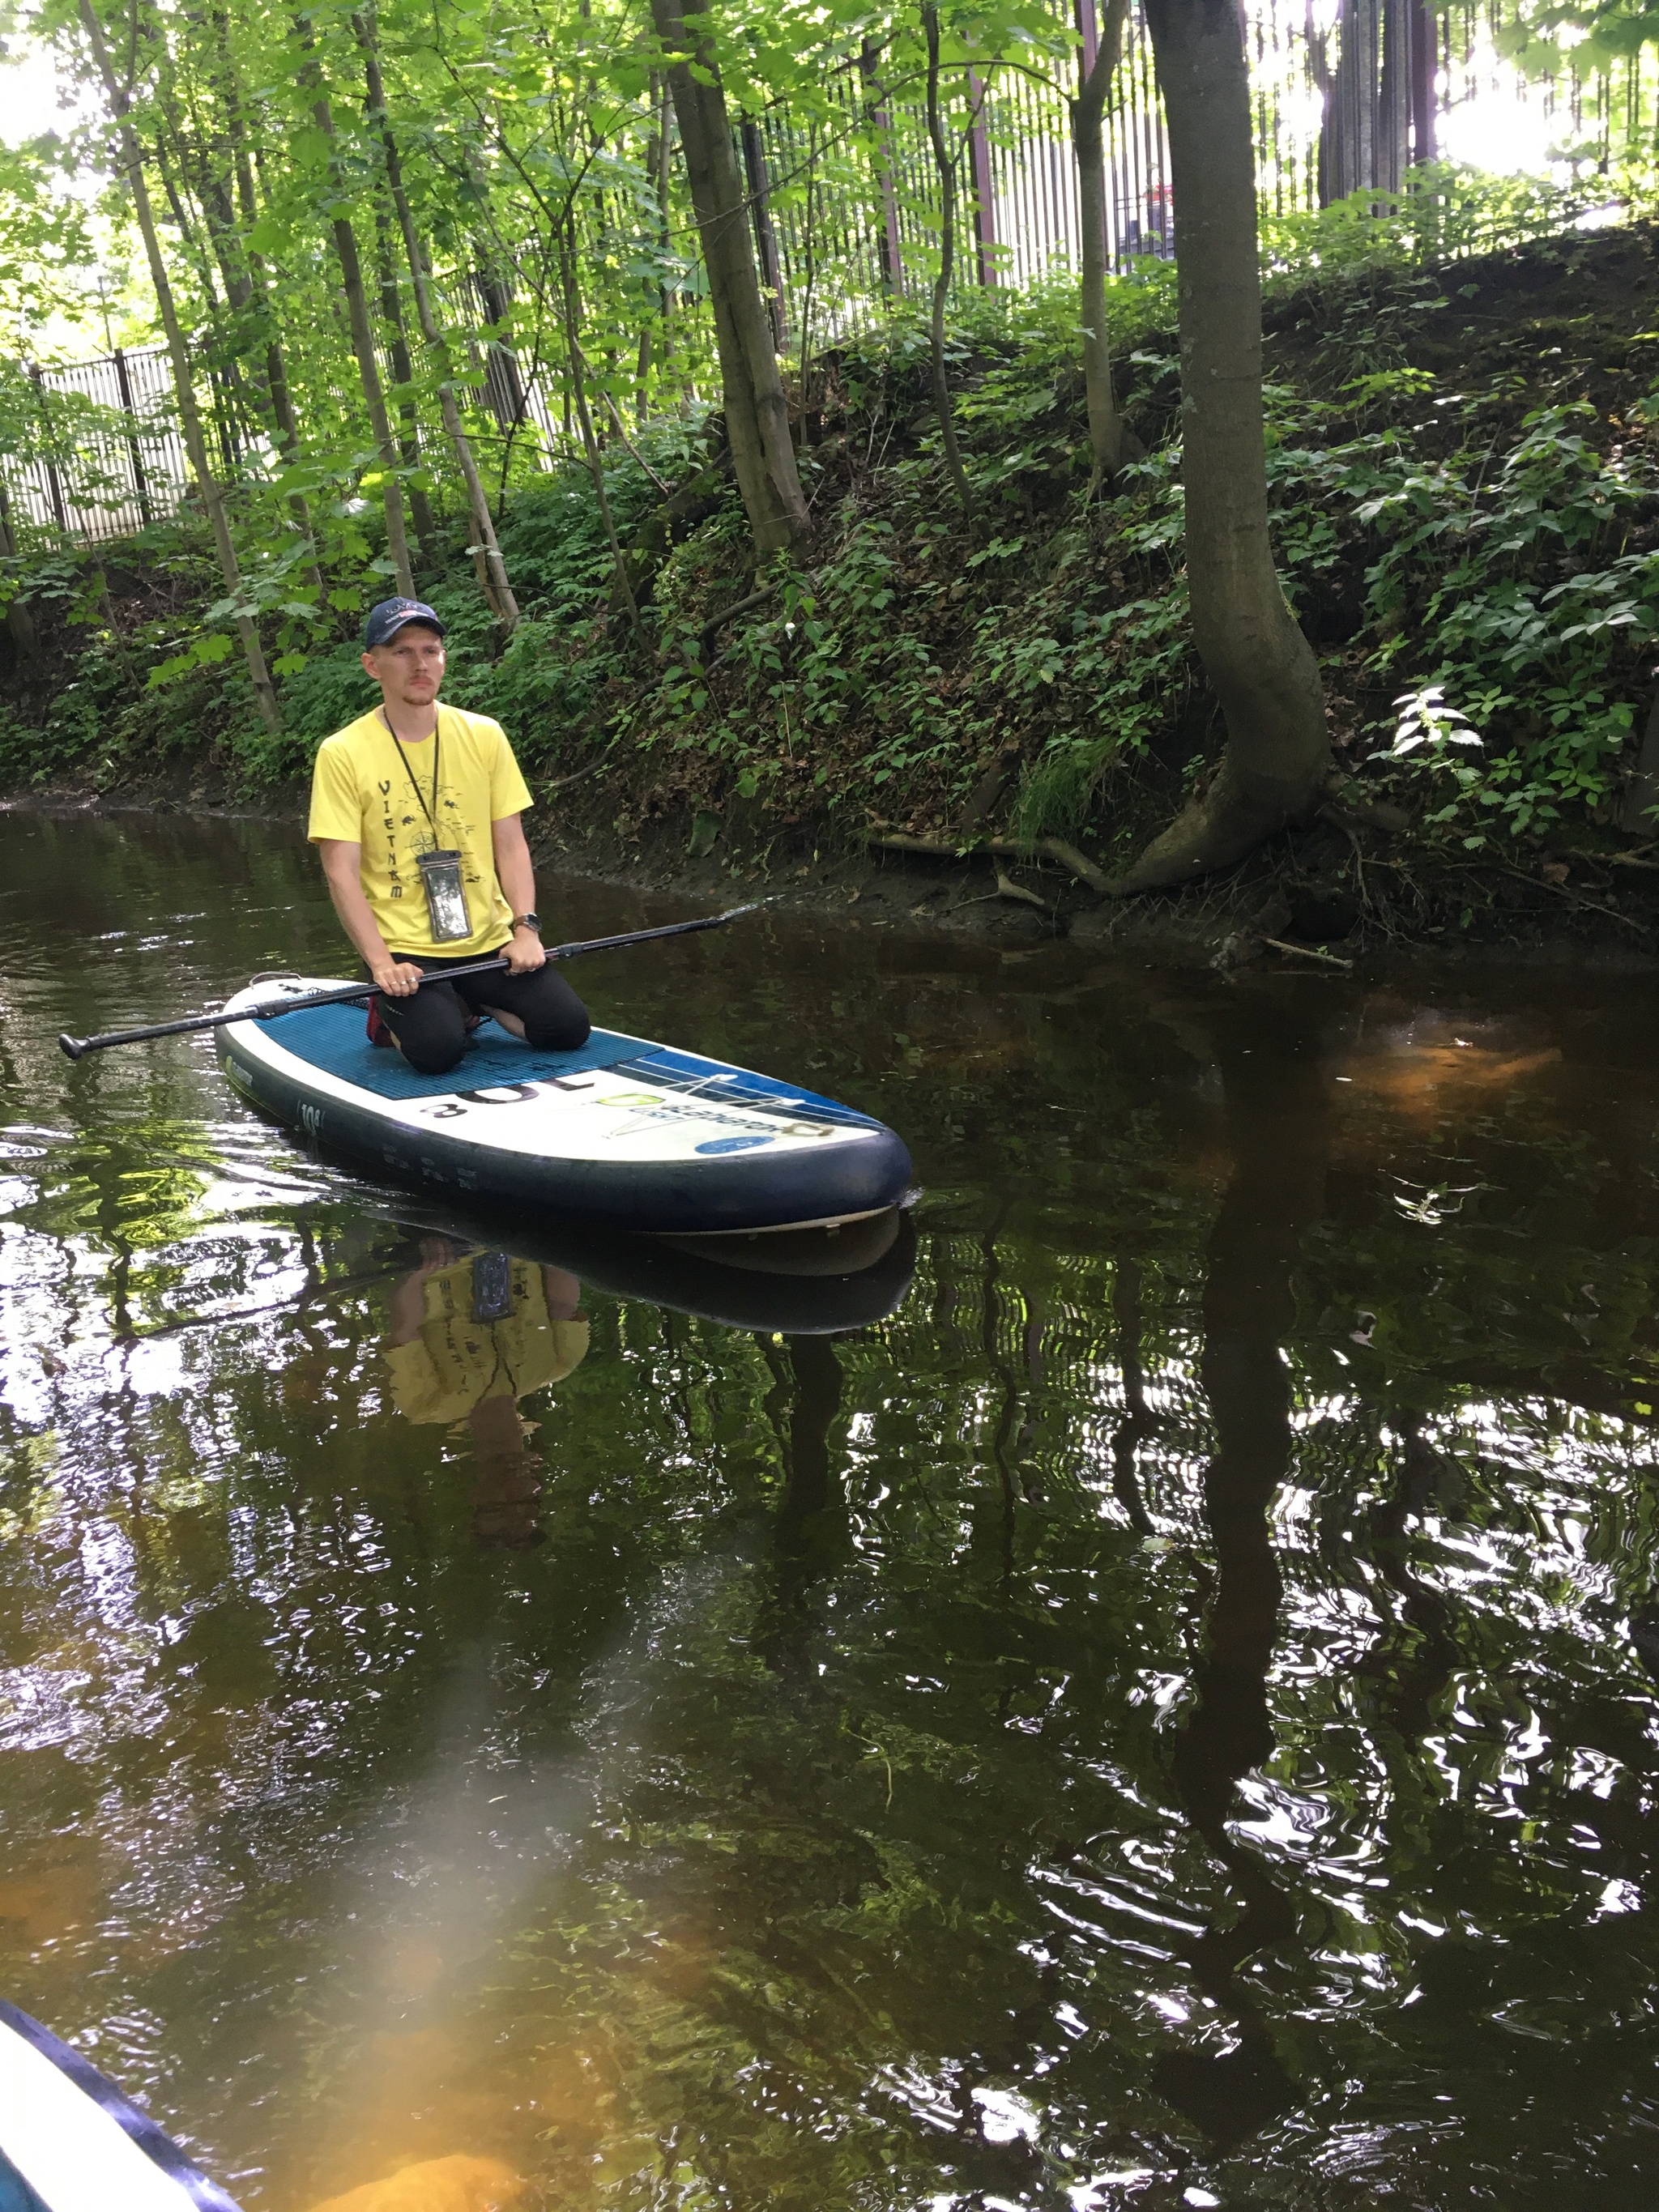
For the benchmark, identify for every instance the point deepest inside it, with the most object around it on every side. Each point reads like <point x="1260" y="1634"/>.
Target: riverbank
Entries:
<point x="969" y="721"/>
<point x="1287" y="908"/>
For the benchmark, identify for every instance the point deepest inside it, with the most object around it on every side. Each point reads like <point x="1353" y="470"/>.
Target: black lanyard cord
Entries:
<point x="431" y="812"/>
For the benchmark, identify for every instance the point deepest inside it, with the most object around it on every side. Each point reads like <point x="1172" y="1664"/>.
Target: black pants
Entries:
<point x="431" y="1026"/>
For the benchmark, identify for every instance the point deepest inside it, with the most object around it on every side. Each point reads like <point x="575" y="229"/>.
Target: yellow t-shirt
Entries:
<point x="455" y="1361"/>
<point x="362" y="792"/>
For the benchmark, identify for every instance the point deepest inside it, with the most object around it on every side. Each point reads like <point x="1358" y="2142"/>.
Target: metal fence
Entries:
<point x="107" y="458"/>
<point x="846" y="217"/>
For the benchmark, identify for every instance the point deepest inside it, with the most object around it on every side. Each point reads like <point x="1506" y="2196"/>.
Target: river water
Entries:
<point x="1165" y="1714"/>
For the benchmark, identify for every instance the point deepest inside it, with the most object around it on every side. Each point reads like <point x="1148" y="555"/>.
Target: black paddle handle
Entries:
<point x="355" y="993"/>
<point x="352" y="994"/>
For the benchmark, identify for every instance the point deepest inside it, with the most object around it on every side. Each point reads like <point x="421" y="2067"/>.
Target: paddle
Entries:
<point x="355" y="993"/>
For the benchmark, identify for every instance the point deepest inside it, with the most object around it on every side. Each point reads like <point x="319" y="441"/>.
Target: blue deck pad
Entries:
<point x="334" y="1038"/>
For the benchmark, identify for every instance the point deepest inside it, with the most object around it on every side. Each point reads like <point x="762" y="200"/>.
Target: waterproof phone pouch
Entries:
<point x="445" y="896"/>
<point x="492" y="1286"/>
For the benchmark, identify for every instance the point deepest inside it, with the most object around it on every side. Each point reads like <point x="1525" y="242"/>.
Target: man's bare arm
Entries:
<point x="343" y="869"/>
<point x="515" y="871"/>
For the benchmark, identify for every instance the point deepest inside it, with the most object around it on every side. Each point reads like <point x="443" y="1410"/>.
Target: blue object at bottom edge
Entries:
<point x="15" y="2195"/>
<point x="157" y="2145"/>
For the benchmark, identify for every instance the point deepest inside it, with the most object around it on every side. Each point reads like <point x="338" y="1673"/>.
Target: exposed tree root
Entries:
<point x="1238" y="812"/>
<point x="1308" y="953"/>
<point x="1020" y="848"/>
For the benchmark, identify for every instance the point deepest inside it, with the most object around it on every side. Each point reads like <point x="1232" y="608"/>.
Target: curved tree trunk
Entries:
<point x="1109" y="444"/>
<point x="1261" y="666"/>
<point x="756" y="412"/>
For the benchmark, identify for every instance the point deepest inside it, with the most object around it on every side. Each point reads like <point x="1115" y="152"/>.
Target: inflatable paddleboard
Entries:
<point x="625" y="1134"/>
<point x="70" y="2141"/>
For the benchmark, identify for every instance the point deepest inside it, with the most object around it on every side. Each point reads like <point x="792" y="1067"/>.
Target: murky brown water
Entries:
<point x="1167" y="1716"/>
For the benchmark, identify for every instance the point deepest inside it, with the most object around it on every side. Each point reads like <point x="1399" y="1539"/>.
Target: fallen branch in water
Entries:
<point x="1307" y="952"/>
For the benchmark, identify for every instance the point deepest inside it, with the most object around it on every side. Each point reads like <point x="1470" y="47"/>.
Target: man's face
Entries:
<point x="409" y="667"/>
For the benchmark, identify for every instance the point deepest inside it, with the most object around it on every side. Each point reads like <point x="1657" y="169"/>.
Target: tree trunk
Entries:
<point x="1109" y="444"/>
<point x="286" y="425"/>
<point x="946" y="163"/>
<point x="190" y="419"/>
<point x="571" y="304"/>
<point x="1261" y="667"/>
<point x="1364" y="141"/>
<point x="880" y="123"/>
<point x="656" y="173"/>
<point x="487" y="562"/>
<point x="756" y="412"/>
<point x="20" y="620"/>
<point x="766" y="232"/>
<point x="362" y="340"/>
<point x="493" y="274"/>
<point x="403" y="370"/>
<point x="281" y="395"/>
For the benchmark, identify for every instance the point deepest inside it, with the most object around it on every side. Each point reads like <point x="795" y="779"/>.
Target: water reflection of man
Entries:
<point x="469" y="1336"/>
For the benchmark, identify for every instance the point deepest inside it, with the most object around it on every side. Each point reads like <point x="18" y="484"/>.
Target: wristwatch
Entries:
<point x="528" y="922"/>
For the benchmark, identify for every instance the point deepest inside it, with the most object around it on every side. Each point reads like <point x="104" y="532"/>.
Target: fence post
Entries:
<point x="1420" y="38"/>
<point x="984" y="203"/>
<point x="140" y="483"/>
<point x="54" y="482"/>
<point x="1088" y="29"/>
<point x="766" y="237"/>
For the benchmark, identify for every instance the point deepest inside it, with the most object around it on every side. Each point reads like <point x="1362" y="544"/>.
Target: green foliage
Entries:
<point x="1486" y="551"/>
<point x="1491" y="541"/>
<point x="1446" y="212"/>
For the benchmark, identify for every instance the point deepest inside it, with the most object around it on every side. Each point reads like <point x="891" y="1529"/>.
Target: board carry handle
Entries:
<point x="357" y="993"/>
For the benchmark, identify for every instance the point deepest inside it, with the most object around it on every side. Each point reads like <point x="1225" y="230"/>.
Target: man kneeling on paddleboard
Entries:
<point x="415" y="812"/>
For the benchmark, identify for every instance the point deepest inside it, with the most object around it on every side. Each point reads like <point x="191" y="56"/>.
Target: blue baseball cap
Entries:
<point x="385" y="621"/>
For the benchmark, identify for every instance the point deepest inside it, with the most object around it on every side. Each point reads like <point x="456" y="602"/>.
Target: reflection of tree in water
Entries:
<point x="1138" y="1422"/>
<point x="1414" y="1657"/>
<point x="810" y="1533"/>
<point x="1275" y="1129"/>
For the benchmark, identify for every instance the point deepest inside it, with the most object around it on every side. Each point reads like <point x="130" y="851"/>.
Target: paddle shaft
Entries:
<point x="356" y="994"/>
